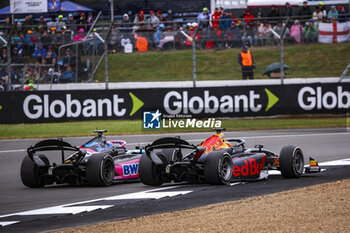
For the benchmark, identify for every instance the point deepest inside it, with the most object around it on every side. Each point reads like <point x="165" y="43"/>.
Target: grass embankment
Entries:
<point x="44" y="130"/>
<point x="316" y="60"/>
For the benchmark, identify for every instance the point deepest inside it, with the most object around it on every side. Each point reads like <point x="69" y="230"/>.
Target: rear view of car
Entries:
<point x="98" y="162"/>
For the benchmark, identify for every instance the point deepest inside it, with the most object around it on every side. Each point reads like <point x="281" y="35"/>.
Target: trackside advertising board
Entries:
<point x="28" y="6"/>
<point x="215" y="102"/>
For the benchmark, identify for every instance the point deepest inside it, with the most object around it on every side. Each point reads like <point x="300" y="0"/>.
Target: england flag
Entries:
<point x="334" y="32"/>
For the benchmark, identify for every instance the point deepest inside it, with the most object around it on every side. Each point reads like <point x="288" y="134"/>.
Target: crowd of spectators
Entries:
<point x="35" y="45"/>
<point x="37" y="41"/>
<point x="222" y="29"/>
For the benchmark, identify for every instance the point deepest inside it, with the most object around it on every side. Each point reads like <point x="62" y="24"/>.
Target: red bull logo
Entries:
<point x="248" y="167"/>
<point x="276" y="162"/>
<point x="213" y="143"/>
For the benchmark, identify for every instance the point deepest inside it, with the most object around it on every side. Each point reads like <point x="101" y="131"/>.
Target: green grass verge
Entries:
<point x="315" y="60"/>
<point x="46" y="130"/>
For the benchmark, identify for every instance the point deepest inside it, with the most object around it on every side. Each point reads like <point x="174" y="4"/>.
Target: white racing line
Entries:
<point x="150" y="194"/>
<point x="12" y="151"/>
<point x="340" y="162"/>
<point x="201" y="139"/>
<point x="74" y="208"/>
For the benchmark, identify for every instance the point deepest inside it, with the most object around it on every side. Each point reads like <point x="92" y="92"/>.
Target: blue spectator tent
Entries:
<point x="66" y="6"/>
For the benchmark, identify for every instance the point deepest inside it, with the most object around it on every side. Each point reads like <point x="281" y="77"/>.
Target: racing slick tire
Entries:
<point x="218" y="168"/>
<point x="100" y="170"/>
<point x="149" y="172"/>
<point x="31" y="172"/>
<point x="291" y="162"/>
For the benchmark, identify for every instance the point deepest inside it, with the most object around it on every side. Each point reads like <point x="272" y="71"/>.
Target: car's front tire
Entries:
<point x="291" y="162"/>
<point x="100" y="170"/>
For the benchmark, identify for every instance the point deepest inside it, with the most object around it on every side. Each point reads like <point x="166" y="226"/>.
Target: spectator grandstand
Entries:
<point x="61" y="48"/>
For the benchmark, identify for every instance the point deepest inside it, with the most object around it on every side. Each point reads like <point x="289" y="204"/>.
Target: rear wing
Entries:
<point x="164" y="143"/>
<point x="169" y="142"/>
<point x="51" y="144"/>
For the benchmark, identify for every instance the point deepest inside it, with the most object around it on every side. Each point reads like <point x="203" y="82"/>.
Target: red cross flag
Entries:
<point x="334" y="32"/>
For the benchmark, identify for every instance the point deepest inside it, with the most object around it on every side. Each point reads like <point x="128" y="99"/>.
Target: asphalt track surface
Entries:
<point x="321" y="144"/>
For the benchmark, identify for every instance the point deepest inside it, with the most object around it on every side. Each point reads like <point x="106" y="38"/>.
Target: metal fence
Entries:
<point x="72" y="53"/>
<point x="224" y="33"/>
<point x="83" y="51"/>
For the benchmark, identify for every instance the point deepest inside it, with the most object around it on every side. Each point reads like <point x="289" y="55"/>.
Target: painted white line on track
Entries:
<point x="174" y="134"/>
<point x="201" y="139"/>
<point x="298" y="135"/>
<point x="265" y="136"/>
<point x="158" y="193"/>
<point x="276" y="172"/>
<point x="236" y="183"/>
<point x="339" y="162"/>
<point x="64" y="210"/>
<point x="101" y="199"/>
<point x="12" y="151"/>
<point x="120" y="136"/>
<point x="6" y="223"/>
<point x="73" y="208"/>
<point x="147" y="195"/>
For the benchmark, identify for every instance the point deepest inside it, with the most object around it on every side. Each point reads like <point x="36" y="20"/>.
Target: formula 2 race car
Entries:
<point x="217" y="161"/>
<point x="97" y="163"/>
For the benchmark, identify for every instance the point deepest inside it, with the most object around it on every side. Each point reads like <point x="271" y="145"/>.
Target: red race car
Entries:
<point x="217" y="160"/>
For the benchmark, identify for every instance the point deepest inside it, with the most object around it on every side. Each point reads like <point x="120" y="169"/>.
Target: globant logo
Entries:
<point x="152" y="120"/>
<point x="49" y="106"/>
<point x="310" y="98"/>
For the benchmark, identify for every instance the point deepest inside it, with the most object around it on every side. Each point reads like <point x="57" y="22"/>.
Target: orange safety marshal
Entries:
<point x="247" y="58"/>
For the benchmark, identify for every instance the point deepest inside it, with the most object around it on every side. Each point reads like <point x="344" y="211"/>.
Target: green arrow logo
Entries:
<point x="136" y="103"/>
<point x="272" y="99"/>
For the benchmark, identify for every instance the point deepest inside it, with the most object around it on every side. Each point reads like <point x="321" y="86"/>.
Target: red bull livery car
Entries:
<point x="97" y="163"/>
<point x="217" y="161"/>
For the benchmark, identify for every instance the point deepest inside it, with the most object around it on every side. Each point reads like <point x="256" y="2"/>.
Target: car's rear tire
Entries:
<point x="291" y="162"/>
<point x="149" y="172"/>
<point x="31" y="172"/>
<point x="218" y="168"/>
<point x="100" y="170"/>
